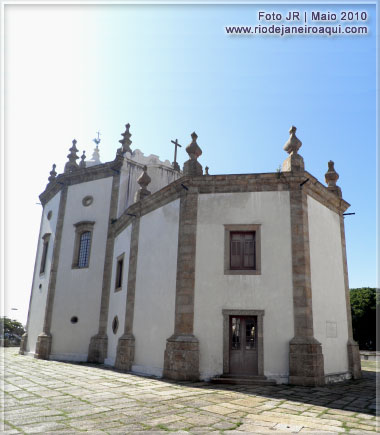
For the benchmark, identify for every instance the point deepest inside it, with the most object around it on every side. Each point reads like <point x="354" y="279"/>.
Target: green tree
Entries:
<point x="8" y="326"/>
<point x="363" y="310"/>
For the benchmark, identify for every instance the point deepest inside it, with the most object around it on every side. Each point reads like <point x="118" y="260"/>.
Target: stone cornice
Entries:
<point x="109" y="169"/>
<point x="321" y="193"/>
<point x="232" y="183"/>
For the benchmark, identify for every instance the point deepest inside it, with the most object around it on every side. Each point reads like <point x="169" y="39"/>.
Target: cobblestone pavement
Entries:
<point x="49" y="396"/>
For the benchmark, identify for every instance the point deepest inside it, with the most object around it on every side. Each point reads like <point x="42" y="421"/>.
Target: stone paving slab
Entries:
<point x="56" y="397"/>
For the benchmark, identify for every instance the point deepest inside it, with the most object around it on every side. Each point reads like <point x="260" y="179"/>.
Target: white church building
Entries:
<point x="190" y="276"/>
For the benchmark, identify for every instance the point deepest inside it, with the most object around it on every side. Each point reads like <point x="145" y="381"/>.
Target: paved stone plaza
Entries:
<point x="49" y="396"/>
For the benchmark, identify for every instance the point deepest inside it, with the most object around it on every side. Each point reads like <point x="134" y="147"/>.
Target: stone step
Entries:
<point x="242" y="380"/>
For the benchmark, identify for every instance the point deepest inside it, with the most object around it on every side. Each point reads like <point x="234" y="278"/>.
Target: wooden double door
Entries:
<point x="243" y="345"/>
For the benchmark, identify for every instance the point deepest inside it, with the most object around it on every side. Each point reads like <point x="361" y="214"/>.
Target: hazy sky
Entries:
<point x="71" y="70"/>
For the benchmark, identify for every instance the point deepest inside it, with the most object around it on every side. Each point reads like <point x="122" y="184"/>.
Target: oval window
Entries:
<point x="115" y="324"/>
<point x="87" y="200"/>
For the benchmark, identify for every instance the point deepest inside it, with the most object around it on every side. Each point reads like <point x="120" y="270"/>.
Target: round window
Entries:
<point x="49" y="215"/>
<point x="115" y="324"/>
<point x="74" y="319"/>
<point x="87" y="200"/>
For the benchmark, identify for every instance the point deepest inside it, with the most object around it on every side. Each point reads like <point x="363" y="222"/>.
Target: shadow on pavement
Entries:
<point x="352" y="395"/>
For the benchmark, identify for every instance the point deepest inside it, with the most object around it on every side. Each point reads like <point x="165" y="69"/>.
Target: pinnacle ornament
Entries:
<point x="53" y="174"/>
<point x="331" y="178"/>
<point x="126" y="141"/>
<point x="295" y="161"/>
<point x="143" y="182"/>
<point x="82" y="163"/>
<point x="192" y="167"/>
<point x="72" y="165"/>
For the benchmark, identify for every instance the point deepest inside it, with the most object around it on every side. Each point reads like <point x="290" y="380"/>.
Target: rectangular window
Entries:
<point x="242" y="247"/>
<point x="235" y="332"/>
<point x="242" y="250"/>
<point x="82" y="244"/>
<point x="84" y="249"/>
<point x="119" y="273"/>
<point x="45" y="248"/>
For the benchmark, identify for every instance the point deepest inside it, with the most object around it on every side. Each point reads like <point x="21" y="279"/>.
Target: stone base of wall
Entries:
<point x="354" y="364"/>
<point x="24" y="340"/>
<point x="43" y="346"/>
<point x="125" y="353"/>
<point x="97" y="350"/>
<point x="306" y="365"/>
<point x="181" y="360"/>
<point x="334" y="378"/>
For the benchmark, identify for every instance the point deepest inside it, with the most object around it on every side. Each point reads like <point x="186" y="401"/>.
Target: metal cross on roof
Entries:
<point x="175" y="164"/>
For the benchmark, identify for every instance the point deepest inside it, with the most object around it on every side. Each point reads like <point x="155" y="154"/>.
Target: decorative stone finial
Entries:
<point x="331" y="175"/>
<point x="143" y="181"/>
<point x="144" y="178"/>
<point x="295" y="161"/>
<point x="82" y="163"/>
<point x="72" y="165"/>
<point x="193" y="149"/>
<point x="53" y="174"/>
<point x="126" y="141"/>
<point x="206" y="170"/>
<point x="331" y="178"/>
<point x="192" y="167"/>
<point x="293" y="144"/>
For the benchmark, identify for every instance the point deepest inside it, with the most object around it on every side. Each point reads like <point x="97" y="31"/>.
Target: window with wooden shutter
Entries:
<point x="242" y="250"/>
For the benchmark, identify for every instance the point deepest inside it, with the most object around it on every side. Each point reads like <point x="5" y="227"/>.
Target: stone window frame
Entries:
<point x="87" y="200"/>
<point x="118" y="259"/>
<point x="226" y="337"/>
<point x="228" y="228"/>
<point x="80" y="228"/>
<point x="45" y="248"/>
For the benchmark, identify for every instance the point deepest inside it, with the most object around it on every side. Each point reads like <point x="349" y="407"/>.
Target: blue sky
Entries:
<point x="169" y="70"/>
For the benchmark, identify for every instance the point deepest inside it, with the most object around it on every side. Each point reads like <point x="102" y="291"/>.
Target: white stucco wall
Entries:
<point x="128" y="185"/>
<point x="38" y="297"/>
<point x="327" y="283"/>
<point x="161" y="175"/>
<point x="155" y="287"/>
<point x="271" y="291"/>
<point x="117" y="301"/>
<point x="78" y="291"/>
